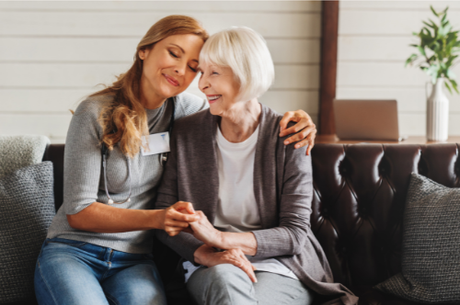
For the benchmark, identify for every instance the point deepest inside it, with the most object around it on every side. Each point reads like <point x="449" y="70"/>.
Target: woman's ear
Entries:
<point x="143" y="53"/>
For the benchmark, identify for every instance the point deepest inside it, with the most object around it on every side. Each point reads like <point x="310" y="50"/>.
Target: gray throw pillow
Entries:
<point x="20" y="151"/>
<point x="431" y="245"/>
<point x="26" y="211"/>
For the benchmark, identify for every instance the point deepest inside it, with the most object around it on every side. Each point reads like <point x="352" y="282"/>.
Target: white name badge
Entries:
<point x="157" y="143"/>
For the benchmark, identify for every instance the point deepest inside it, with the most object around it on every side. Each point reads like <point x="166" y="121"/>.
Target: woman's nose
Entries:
<point x="180" y="69"/>
<point x="203" y="83"/>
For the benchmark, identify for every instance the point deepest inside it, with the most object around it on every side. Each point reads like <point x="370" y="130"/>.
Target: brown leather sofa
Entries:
<point x="358" y="206"/>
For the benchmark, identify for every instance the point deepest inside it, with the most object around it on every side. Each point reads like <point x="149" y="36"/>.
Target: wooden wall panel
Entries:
<point x="165" y="6"/>
<point x="409" y="99"/>
<point x="53" y="54"/>
<point x="76" y="75"/>
<point x="53" y="126"/>
<point x="134" y="24"/>
<point x="419" y="5"/>
<point x="376" y="49"/>
<point x="388" y="22"/>
<point x="41" y="100"/>
<point x="372" y="53"/>
<point x="122" y="50"/>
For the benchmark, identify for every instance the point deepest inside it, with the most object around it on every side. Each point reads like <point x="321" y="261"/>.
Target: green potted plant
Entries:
<point x="437" y="53"/>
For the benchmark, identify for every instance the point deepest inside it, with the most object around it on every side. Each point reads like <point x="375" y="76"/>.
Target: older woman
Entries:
<point x="252" y="243"/>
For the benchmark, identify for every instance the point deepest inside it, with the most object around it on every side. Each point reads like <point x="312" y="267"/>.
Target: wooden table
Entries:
<point x="332" y="139"/>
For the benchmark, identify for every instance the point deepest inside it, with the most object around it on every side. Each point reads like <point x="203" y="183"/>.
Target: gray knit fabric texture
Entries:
<point x="20" y="151"/>
<point x="26" y="211"/>
<point x="431" y="245"/>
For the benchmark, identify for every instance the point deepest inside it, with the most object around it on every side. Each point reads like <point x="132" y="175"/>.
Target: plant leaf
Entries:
<point x="444" y="18"/>
<point x="428" y="24"/>
<point x="438" y="49"/>
<point x="454" y="85"/>
<point x="421" y="50"/>
<point x="451" y="60"/>
<point x="411" y="59"/>
<point x="433" y="24"/>
<point x="448" y="87"/>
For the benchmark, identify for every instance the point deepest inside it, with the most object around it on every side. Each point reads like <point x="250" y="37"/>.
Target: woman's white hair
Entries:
<point x="246" y="53"/>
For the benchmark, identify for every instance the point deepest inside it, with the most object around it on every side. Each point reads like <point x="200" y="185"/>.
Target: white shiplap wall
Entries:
<point x="52" y="54"/>
<point x="374" y="38"/>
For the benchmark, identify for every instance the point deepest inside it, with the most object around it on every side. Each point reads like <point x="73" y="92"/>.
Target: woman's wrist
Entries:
<point x="244" y="241"/>
<point x="219" y="240"/>
<point x="156" y="218"/>
<point x="202" y="253"/>
<point x="222" y="240"/>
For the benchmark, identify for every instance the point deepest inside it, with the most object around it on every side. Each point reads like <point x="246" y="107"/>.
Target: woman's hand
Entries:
<point x="209" y="257"/>
<point x="305" y="129"/>
<point x="177" y="217"/>
<point x="203" y="230"/>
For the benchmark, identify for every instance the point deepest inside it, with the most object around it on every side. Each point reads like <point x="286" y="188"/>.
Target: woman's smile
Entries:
<point x="213" y="98"/>
<point x="171" y="80"/>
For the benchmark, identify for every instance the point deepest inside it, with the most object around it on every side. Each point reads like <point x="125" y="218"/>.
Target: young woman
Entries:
<point x="252" y="243"/>
<point x="98" y="246"/>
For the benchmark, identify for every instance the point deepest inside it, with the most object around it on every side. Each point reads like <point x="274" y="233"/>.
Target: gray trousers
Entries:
<point x="226" y="284"/>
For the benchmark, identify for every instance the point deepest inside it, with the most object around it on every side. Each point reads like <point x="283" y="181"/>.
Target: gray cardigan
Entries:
<point x="283" y="191"/>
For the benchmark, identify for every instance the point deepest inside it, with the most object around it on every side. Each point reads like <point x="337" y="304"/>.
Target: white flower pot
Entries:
<point x="437" y="113"/>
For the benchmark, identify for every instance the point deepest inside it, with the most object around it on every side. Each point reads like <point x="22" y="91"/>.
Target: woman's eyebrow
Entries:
<point x="178" y="47"/>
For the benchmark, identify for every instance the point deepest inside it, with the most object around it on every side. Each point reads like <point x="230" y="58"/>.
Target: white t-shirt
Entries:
<point x="237" y="209"/>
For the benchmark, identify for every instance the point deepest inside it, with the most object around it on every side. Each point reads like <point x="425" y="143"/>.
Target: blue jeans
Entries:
<point x="78" y="273"/>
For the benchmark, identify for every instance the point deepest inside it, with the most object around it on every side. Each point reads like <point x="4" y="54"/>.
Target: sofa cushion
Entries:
<point x="431" y="245"/>
<point x="26" y="211"/>
<point x="20" y="151"/>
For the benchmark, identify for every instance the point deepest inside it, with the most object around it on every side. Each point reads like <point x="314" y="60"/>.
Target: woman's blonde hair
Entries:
<point x="124" y="121"/>
<point x="246" y="53"/>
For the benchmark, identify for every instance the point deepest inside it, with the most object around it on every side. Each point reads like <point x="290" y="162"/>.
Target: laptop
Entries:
<point x="366" y="120"/>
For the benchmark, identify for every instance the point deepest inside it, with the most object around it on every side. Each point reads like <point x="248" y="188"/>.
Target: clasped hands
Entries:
<point x="218" y="247"/>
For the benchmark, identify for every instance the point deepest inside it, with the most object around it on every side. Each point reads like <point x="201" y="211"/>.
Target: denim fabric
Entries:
<point x="79" y="273"/>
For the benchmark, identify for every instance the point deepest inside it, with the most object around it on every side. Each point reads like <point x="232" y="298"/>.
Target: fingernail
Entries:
<point x="297" y="146"/>
<point x="286" y="142"/>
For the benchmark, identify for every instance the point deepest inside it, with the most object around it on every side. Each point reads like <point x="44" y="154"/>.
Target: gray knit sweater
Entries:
<point x="83" y="176"/>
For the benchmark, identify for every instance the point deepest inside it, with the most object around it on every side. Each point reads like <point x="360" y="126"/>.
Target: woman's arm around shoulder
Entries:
<point x="302" y="133"/>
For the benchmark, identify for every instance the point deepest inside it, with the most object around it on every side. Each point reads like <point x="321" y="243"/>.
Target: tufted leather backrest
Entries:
<point x="55" y="153"/>
<point x="358" y="205"/>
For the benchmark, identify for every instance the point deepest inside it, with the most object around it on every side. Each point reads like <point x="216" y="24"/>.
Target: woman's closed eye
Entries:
<point x="176" y="56"/>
